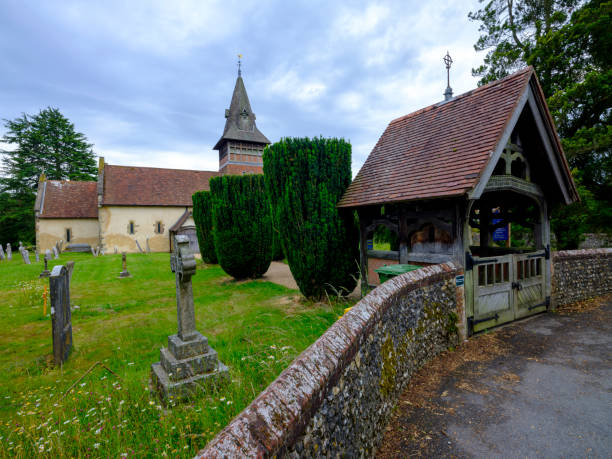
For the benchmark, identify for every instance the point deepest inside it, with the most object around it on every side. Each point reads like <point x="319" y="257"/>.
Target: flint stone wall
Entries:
<point x="337" y="396"/>
<point x="581" y="274"/>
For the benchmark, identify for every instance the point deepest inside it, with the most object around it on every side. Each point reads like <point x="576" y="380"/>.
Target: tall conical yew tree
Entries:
<point x="305" y="179"/>
<point x="243" y="225"/>
<point x="203" y="218"/>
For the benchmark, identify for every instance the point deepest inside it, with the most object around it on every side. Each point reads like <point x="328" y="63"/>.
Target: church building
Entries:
<point x="133" y="209"/>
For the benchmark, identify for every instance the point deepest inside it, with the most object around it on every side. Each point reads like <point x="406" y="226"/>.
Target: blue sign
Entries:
<point x="500" y="234"/>
<point x="370" y="244"/>
<point x="459" y="281"/>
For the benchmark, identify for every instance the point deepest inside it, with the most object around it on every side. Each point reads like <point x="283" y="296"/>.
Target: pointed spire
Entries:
<point x="240" y="123"/>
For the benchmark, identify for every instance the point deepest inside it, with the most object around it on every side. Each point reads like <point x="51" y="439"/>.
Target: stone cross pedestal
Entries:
<point x="188" y="364"/>
<point x="125" y="272"/>
<point x="46" y="272"/>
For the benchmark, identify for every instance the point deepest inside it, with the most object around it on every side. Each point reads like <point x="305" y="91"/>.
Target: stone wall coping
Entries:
<point x="582" y="253"/>
<point x="281" y="412"/>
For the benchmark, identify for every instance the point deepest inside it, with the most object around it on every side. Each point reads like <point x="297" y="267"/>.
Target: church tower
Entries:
<point x="241" y="145"/>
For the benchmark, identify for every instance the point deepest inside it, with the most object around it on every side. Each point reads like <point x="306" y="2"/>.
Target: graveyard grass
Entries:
<point x="257" y="328"/>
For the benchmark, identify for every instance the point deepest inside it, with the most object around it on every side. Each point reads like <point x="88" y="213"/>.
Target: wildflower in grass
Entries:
<point x="96" y="445"/>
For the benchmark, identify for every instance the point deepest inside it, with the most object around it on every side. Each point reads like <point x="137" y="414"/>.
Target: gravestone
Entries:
<point x="47" y="254"/>
<point x="45" y="272"/>
<point x="9" y="251"/>
<point x="147" y="246"/>
<point x="25" y="255"/>
<point x="61" y="322"/>
<point x="116" y="250"/>
<point x="93" y="252"/>
<point x="188" y="364"/>
<point x="102" y="251"/>
<point x="125" y="272"/>
<point x="55" y="252"/>
<point x="1" y="252"/>
<point x="37" y="256"/>
<point x="139" y="248"/>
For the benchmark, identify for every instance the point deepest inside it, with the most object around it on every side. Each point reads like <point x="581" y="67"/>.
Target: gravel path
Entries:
<point x="537" y="388"/>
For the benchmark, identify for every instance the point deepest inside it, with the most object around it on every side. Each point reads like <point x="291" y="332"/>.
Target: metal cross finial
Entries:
<point x="448" y="94"/>
<point x="448" y="61"/>
<point x="239" y="64"/>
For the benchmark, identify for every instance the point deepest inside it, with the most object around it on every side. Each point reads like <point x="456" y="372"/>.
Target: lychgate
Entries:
<point x="471" y="179"/>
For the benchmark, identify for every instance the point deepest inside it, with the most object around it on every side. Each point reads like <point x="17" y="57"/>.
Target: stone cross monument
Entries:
<point x="188" y="364"/>
<point x="125" y="272"/>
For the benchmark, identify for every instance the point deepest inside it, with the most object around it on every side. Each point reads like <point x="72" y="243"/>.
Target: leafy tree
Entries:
<point x="45" y="142"/>
<point x="203" y="218"/>
<point x="305" y="179"/>
<point x="568" y="43"/>
<point x="243" y="225"/>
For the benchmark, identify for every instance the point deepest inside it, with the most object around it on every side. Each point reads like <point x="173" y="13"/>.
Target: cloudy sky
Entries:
<point x="148" y="81"/>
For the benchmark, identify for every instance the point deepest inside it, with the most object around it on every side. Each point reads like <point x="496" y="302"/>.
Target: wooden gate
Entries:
<point x="507" y="287"/>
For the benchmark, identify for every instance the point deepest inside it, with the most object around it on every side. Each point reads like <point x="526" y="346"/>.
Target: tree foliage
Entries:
<point x="305" y="179"/>
<point x="203" y="218"/>
<point x="242" y="225"/>
<point x="568" y="43"/>
<point x="45" y="142"/>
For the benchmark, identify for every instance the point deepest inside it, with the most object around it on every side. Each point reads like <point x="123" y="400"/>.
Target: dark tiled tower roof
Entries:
<point x="240" y="124"/>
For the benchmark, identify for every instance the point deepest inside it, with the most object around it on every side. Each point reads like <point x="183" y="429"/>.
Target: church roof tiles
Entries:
<point x="67" y="199"/>
<point x="150" y="186"/>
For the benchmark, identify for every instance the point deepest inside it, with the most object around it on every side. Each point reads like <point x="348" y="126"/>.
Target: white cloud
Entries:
<point x="292" y="86"/>
<point x="207" y="161"/>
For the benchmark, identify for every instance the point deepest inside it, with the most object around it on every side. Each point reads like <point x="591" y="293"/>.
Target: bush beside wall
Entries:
<point x="336" y="396"/>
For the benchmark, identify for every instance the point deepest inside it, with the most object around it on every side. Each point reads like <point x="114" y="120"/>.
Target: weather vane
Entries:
<point x="239" y="64"/>
<point x="448" y="94"/>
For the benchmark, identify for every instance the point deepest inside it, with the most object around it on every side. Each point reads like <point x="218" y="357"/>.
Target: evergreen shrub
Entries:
<point x="305" y="179"/>
<point x="243" y="225"/>
<point x="203" y="218"/>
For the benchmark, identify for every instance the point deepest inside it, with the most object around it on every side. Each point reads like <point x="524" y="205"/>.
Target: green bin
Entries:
<point x="387" y="272"/>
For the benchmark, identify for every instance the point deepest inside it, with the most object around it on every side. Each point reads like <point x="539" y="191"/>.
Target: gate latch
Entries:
<point x="517" y="285"/>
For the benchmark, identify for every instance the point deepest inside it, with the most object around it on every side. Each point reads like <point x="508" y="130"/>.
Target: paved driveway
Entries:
<point x="538" y="388"/>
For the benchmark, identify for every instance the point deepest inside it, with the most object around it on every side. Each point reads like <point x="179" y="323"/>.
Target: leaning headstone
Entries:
<point x="26" y="256"/>
<point x="93" y="252"/>
<point x="125" y="272"/>
<point x="55" y="252"/>
<point x="61" y="323"/>
<point x="147" y="246"/>
<point x="188" y="364"/>
<point x="45" y="272"/>
<point x="139" y="248"/>
<point x="9" y="251"/>
<point x="37" y="256"/>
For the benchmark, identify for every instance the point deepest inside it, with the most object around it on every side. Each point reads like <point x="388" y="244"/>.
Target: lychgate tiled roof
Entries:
<point x="149" y="186"/>
<point x="67" y="199"/>
<point x="439" y="151"/>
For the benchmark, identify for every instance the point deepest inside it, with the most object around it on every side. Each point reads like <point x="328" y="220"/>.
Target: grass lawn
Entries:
<point x="257" y="328"/>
